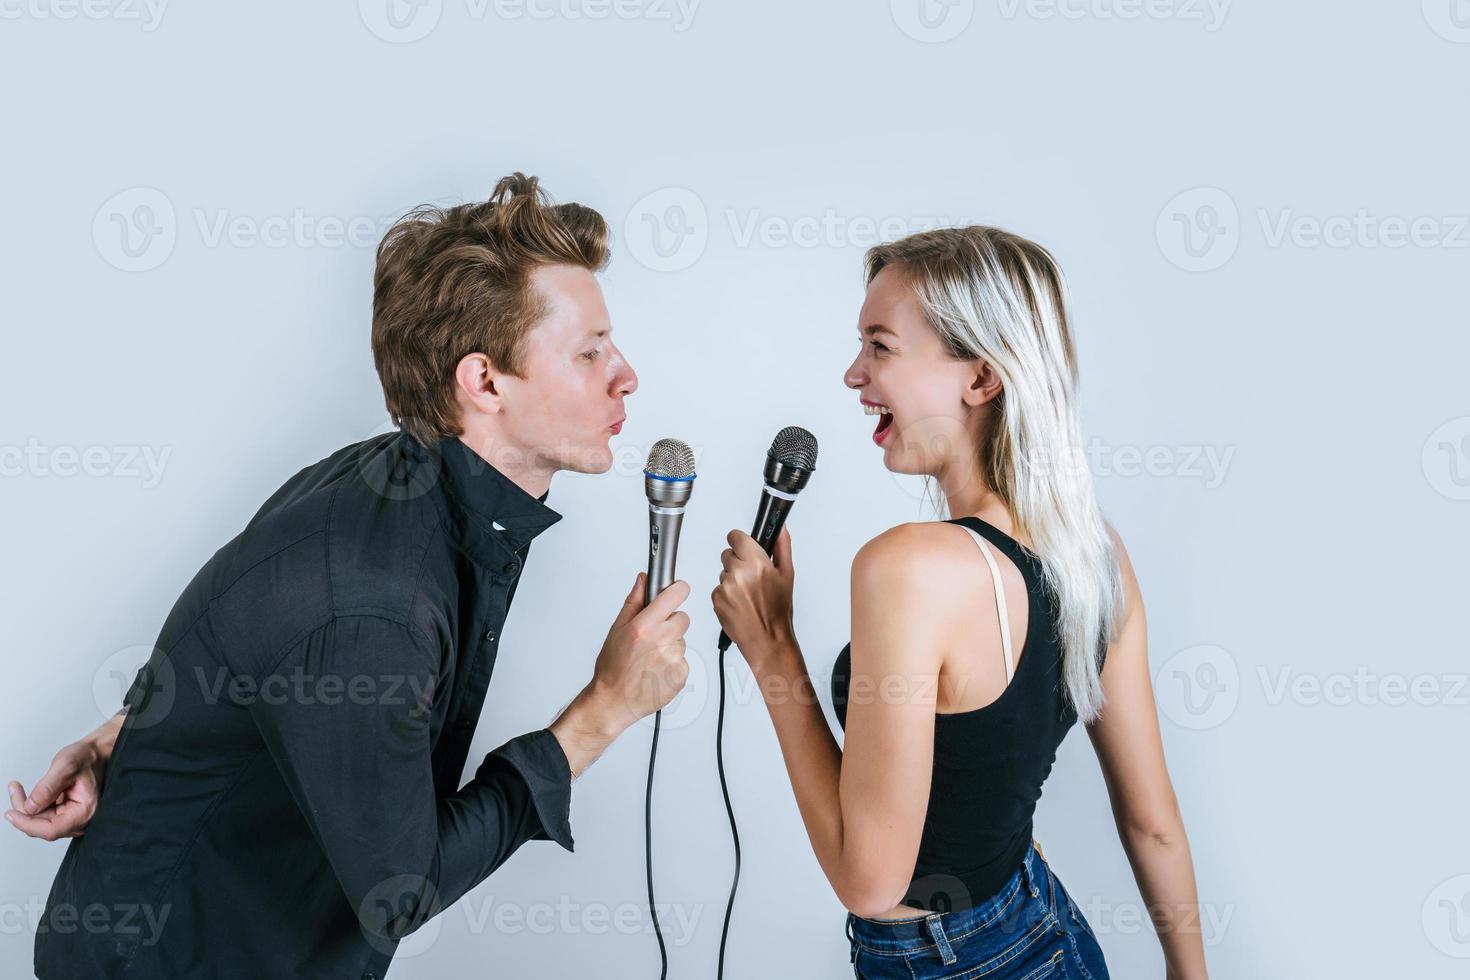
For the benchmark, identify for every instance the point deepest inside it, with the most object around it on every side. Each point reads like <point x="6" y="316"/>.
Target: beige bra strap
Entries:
<point x="1000" y="601"/>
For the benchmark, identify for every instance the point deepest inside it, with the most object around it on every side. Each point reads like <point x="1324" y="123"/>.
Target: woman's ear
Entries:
<point x="984" y="384"/>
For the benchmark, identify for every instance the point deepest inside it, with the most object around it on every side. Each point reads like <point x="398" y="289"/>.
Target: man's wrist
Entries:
<point x="105" y="737"/>
<point x="587" y="727"/>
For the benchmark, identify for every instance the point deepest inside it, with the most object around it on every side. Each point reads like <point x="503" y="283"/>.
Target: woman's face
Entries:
<point x="906" y="369"/>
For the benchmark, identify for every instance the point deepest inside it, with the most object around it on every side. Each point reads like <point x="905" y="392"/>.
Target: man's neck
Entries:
<point x="518" y="466"/>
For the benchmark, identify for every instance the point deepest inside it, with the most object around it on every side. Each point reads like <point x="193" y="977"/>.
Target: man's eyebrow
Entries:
<point x="597" y="333"/>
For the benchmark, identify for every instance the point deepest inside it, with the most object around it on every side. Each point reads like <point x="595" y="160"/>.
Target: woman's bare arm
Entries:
<point x="863" y="805"/>
<point x="1131" y="752"/>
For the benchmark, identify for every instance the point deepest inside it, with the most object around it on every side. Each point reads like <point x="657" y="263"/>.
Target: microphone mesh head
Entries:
<point x="794" y="446"/>
<point x="670" y="459"/>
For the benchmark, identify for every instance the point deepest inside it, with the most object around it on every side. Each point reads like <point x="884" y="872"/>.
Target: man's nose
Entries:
<point x="627" y="381"/>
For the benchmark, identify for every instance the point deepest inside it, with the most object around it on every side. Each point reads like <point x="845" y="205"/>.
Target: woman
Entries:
<point x="976" y="641"/>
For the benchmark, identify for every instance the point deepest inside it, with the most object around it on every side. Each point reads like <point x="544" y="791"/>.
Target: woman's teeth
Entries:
<point x="877" y="410"/>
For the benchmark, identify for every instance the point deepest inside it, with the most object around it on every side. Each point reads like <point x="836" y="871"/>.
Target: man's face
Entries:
<point x="570" y="402"/>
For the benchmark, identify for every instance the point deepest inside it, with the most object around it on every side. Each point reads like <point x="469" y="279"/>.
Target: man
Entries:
<point x="282" y="799"/>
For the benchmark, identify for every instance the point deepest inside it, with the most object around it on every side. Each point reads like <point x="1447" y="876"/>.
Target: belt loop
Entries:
<point x="851" y="941"/>
<point x="1028" y="872"/>
<point x="936" y="931"/>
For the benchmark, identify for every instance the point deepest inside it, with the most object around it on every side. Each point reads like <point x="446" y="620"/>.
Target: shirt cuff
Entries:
<point x="539" y="758"/>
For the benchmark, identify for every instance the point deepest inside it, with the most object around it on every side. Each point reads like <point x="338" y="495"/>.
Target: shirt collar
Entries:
<point x="485" y="510"/>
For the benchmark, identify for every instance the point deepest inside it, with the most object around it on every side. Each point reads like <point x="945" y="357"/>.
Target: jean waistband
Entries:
<point x="906" y="935"/>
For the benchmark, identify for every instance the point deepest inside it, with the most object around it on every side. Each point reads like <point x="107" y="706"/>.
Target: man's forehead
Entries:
<point x="574" y="306"/>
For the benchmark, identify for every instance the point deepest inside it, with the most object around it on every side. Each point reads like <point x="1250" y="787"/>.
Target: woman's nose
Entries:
<point x="855" y="377"/>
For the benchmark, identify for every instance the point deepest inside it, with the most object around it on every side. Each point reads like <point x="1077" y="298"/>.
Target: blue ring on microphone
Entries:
<point x="669" y="479"/>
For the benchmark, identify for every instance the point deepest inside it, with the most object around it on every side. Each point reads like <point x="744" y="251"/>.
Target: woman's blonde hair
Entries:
<point x="996" y="296"/>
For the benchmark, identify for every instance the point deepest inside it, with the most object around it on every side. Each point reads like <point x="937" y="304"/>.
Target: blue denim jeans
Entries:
<point x="1028" y="930"/>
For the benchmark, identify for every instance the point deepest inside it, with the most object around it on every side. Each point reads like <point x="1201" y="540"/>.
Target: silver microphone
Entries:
<point x="668" y="479"/>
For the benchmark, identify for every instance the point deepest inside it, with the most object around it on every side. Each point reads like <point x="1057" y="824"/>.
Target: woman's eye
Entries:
<point x="879" y="346"/>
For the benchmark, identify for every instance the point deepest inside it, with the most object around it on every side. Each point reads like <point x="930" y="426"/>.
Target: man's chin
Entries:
<point x="592" y="460"/>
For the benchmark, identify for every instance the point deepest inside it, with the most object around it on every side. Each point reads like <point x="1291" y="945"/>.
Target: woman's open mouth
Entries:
<point x="885" y="420"/>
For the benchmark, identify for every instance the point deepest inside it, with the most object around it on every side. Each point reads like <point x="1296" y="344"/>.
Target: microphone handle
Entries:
<point x="770" y="517"/>
<point x="664" y="524"/>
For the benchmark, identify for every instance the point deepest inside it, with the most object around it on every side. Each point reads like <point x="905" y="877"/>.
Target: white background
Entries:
<point x="1261" y="210"/>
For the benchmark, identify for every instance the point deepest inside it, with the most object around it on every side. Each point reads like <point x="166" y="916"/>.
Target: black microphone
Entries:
<point x="789" y="464"/>
<point x="668" y="480"/>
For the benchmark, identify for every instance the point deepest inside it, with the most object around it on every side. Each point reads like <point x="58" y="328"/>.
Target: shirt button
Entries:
<point x="490" y="635"/>
<point x="510" y="567"/>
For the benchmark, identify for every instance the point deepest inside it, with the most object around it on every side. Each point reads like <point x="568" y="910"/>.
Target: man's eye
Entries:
<point x="591" y="355"/>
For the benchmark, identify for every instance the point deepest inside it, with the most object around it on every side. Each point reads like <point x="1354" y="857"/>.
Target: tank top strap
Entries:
<point x="1025" y="559"/>
<point x="1000" y="602"/>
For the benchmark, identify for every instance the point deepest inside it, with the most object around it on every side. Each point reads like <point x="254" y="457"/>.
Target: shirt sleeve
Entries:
<point x="346" y="717"/>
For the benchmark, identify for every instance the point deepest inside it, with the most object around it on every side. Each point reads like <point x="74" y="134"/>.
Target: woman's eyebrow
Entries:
<point x="877" y="328"/>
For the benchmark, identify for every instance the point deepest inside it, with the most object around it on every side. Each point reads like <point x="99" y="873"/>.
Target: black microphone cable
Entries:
<point x="663" y="954"/>
<point x="729" y="810"/>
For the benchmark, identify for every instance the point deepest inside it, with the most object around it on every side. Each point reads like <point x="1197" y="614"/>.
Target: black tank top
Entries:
<point x="989" y="763"/>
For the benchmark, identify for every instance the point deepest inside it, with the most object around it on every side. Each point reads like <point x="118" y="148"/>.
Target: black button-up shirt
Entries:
<point x="284" y="799"/>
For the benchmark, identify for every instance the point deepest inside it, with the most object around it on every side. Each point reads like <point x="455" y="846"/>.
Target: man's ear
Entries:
<point x="984" y="384"/>
<point x="478" y="383"/>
